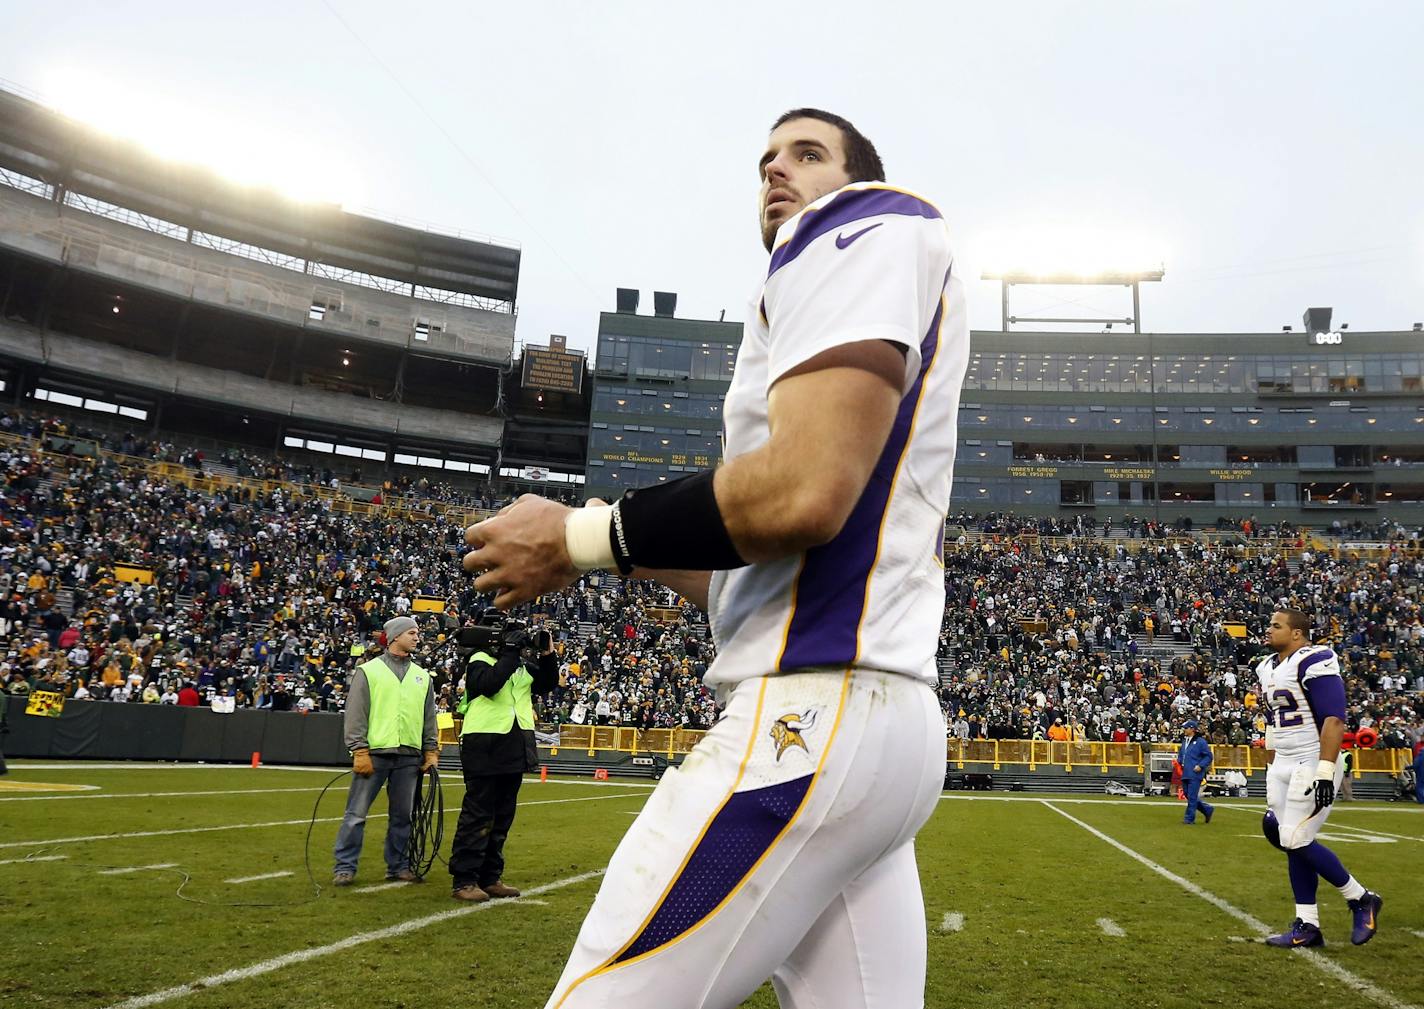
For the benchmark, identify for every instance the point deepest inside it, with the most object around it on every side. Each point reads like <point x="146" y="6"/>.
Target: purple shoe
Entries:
<point x="1302" y="933"/>
<point x="1366" y="911"/>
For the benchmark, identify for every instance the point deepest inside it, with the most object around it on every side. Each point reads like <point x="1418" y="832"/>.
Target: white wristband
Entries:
<point x="586" y="537"/>
<point x="1325" y="769"/>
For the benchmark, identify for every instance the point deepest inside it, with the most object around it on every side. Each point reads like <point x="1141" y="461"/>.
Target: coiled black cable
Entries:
<point x="427" y="823"/>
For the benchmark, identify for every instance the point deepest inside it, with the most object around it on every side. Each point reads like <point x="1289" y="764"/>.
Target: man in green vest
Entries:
<point x="392" y="736"/>
<point x="496" y="748"/>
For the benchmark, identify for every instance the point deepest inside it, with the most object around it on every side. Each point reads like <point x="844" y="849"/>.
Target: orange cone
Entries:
<point x="256" y="758"/>
<point x="543" y="772"/>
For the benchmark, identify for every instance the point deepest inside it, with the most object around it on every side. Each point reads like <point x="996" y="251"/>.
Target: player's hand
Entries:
<point x="1196" y="768"/>
<point x="432" y="759"/>
<point x="520" y="553"/>
<point x="1324" y="794"/>
<point x="361" y="763"/>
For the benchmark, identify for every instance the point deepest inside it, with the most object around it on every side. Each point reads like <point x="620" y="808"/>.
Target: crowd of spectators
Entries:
<point x="264" y="596"/>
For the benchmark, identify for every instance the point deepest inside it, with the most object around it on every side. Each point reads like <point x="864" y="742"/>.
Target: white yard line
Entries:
<point x="953" y="922"/>
<point x="154" y="795"/>
<point x="265" y="875"/>
<point x="1417" y="932"/>
<point x="37" y="858"/>
<point x="271" y="823"/>
<point x="381" y="886"/>
<point x="360" y="938"/>
<point x="1111" y="928"/>
<point x="1334" y="822"/>
<point x="84" y="765"/>
<point x="1256" y="925"/>
<point x="137" y="868"/>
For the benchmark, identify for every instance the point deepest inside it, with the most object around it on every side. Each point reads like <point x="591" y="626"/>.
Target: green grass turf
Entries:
<point x="1029" y="883"/>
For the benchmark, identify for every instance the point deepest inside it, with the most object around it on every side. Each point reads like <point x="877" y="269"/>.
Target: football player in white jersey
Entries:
<point x="782" y="848"/>
<point x="1303" y="696"/>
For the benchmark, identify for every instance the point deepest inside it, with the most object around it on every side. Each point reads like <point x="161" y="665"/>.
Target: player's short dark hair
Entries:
<point x="862" y="160"/>
<point x="1297" y="620"/>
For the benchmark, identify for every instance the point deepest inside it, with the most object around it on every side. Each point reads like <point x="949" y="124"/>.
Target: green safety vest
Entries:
<point x="397" y="715"/>
<point x="498" y="714"/>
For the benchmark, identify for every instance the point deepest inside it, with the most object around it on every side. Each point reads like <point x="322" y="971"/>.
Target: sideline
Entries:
<point x="360" y="938"/>
<point x="1256" y="925"/>
<point x="272" y="823"/>
<point x="1157" y="802"/>
<point x="454" y="782"/>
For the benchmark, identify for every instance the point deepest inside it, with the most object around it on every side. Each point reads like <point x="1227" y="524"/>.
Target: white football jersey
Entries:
<point x="1292" y="726"/>
<point x="866" y="262"/>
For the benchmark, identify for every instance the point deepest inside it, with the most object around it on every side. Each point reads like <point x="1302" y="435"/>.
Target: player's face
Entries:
<point x="804" y="160"/>
<point x="1278" y="633"/>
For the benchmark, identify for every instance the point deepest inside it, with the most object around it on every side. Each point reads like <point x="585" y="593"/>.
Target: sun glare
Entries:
<point x="250" y="152"/>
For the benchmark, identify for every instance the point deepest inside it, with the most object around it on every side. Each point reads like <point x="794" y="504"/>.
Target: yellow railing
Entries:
<point x="1032" y="753"/>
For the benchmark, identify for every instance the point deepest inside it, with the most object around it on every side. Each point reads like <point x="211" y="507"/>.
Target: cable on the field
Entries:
<point x="187" y="877"/>
<point x="427" y="823"/>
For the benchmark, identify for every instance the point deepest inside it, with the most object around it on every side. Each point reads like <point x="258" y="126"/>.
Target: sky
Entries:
<point x="1269" y="155"/>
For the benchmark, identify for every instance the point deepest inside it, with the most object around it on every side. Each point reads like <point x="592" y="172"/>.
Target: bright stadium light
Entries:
<point x="1080" y="257"/>
<point x="247" y="153"/>
<point x="1070" y="257"/>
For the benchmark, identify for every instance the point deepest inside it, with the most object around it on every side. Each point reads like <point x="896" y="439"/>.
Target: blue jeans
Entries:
<point x="401" y="772"/>
<point x="1192" y="786"/>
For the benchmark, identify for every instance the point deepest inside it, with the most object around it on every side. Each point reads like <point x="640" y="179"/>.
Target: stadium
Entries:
<point x="240" y="432"/>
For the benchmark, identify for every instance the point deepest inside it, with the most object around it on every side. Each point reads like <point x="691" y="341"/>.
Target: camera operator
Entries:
<point x="496" y="747"/>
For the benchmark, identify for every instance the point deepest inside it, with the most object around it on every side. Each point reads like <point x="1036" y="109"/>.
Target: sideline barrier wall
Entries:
<point x="101" y="730"/>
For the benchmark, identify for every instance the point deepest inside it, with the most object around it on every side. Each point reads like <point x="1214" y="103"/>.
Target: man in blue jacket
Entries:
<point x="1419" y="775"/>
<point x="1195" y="758"/>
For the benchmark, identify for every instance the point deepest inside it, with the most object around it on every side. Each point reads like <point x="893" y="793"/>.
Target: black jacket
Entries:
<point x="514" y="752"/>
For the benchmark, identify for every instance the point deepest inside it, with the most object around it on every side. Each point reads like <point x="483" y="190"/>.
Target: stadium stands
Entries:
<point x="130" y="567"/>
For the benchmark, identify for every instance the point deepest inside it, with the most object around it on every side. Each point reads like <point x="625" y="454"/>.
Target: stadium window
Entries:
<point x="350" y="451"/>
<point x="320" y="446"/>
<point x="430" y="462"/>
<point x="422" y="330"/>
<point x="373" y="454"/>
<point x="458" y="467"/>
<point x="290" y="442"/>
<point x="124" y="411"/>
<point x="63" y="398"/>
<point x="401" y="459"/>
<point x="317" y="312"/>
<point x="99" y="406"/>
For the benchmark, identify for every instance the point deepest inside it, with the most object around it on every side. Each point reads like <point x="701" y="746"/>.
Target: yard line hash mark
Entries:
<point x="254" y="879"/>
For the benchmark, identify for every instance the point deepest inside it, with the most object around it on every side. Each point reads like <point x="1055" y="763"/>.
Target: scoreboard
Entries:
<point x="554" y="368"/>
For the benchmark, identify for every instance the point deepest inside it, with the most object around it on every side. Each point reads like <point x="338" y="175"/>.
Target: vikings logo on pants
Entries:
<point x="786" y="731"/>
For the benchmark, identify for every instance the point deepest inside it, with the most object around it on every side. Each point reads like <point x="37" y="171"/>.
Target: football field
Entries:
<point x="186" y="886"/>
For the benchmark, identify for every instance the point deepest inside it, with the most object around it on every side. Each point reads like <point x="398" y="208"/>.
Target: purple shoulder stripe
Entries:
<point x="1315" y="658"/>
<point x="846" y="208"/>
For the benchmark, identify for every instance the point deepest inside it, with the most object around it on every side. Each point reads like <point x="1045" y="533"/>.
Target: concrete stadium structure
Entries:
<point x="163" y="293"/>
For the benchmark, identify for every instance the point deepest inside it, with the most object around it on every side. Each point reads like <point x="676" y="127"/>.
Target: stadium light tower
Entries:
<point x="1008" y="279"/>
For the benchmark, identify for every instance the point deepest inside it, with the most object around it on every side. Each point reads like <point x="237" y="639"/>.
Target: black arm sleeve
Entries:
<point x="485" y="680"/>
<point x="545" y="673"/>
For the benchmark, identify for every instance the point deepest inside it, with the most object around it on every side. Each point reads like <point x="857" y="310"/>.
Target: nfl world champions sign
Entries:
<point x="554" y="368"/>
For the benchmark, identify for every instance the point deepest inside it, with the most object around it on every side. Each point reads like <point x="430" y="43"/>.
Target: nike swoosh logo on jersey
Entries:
<point x="842" y="241"/>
